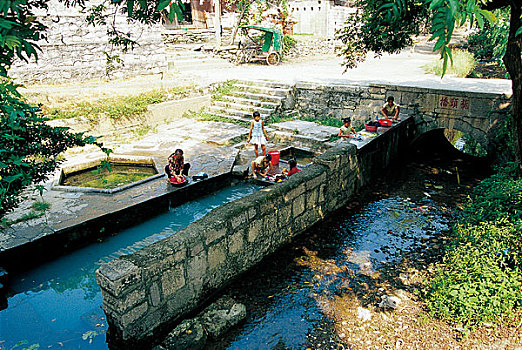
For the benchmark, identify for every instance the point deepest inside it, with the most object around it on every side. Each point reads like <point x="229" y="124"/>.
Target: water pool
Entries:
<point x="58" y="305"/>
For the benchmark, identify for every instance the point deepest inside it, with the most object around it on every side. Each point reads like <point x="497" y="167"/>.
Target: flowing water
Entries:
<point x="58" y="304"/>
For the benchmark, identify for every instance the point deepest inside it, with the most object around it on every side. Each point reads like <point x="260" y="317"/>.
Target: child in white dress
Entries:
<point x="257" y="134"/>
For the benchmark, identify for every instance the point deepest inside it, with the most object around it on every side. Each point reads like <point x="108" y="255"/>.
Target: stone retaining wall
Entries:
<point x="195" y="36"/>
<point x="477" y="114"/>
<point x="145" y="293"/>
<point x="76" y="51"/>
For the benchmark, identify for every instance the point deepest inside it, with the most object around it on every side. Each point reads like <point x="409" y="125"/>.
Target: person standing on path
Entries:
<point x="257" y="134"/>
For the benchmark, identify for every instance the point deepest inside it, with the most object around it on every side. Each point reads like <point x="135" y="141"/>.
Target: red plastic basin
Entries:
<point x="385" y="122"/>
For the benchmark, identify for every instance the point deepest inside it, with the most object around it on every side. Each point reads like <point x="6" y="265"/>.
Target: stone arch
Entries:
<point x="483" y="137"/>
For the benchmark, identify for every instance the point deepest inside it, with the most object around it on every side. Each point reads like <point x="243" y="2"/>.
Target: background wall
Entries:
<point x="77" y="51"/>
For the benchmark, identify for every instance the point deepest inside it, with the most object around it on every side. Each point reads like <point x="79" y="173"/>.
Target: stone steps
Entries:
<point x="244" y="107"/>
<point x="266" y="90"/>
<point x="252" y="102"/>
<point x="260" y="97"/>
<point x="263" y="96"/>
<point x="245" y="114"/>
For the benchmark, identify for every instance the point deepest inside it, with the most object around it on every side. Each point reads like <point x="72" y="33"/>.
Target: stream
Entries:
<point x="58" y="305"/>
<point x="295" y="297"/>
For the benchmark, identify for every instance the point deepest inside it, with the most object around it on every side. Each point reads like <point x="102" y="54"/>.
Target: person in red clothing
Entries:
<point x="177" y="169"/>
<point x="292" y="165"/>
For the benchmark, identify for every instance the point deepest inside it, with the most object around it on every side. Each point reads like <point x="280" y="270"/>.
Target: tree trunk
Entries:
<point x="238" y="23"/>
<point x="513" y="63"/>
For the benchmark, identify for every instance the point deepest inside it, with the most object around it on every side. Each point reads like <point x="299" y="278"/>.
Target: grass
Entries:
<point x="226" y="88"/>
<point x="116" y="107"/>
<point x="463" y="64"/>
<point x="38" y="209"/>
<point x="207" y="116"/>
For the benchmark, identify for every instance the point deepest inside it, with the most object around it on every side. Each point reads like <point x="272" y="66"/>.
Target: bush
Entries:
<point x="481" y="278"/>
<point x="463" y="65"/>
<point x="490" y="42"/>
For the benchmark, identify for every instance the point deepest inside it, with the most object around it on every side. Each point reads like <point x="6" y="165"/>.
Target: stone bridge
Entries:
<point x="477" y="114"/>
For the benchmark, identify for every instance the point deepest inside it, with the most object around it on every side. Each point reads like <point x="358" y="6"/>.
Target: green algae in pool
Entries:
<point x="119" y="175"/>
<point x="59" y="304"/>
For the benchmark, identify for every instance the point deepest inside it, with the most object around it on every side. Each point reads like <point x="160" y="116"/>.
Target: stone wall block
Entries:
<point x="284" y="215"/>
<point x="254" y="230"/>
<point x="216" y="234"/>
<point x="298" y="206"/>
<point x="217" y="255"/>
<point x="125" y="302"/>
<point x="172" y="280"/>
<point x="118" y="276"/>
<point x="155" y="294"/>
<point x="134" y="314"/>
<point x="196" y="268"/>
<point x="236" y="241"/>
<point x="312" y="199"/>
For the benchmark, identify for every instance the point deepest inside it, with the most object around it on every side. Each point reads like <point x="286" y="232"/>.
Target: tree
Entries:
<point x="389" y="25"/>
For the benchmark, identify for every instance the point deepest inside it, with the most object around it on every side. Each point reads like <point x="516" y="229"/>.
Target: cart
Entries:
<point x="265" y="46"/>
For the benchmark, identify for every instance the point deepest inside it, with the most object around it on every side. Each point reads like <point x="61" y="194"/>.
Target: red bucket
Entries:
<point x="275" y="157"/>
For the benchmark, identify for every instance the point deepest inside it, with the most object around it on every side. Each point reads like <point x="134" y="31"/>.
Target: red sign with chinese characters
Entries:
<point x="455" y="103"/>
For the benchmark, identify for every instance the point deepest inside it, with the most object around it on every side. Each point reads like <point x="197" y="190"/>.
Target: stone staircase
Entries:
<point x="266" y="97"/>
<point x="186" y="58"/>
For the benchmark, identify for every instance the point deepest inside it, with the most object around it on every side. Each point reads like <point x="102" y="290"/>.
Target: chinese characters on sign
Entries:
<point x="455" y="103"/>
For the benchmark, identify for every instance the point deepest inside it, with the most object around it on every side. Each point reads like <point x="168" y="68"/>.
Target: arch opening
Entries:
<point x="441" y="140"/>
<point x="465" y="143"/>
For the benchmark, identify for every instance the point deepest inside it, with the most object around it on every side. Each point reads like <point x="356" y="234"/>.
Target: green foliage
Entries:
<point x="28" y="146"/>
<point x="481" y="278"/>
<point x="489" y="43"/>
<point x="40" y="206"/>
<point x="462" y="65"/>
<point x="116" y="107"/>
<point x="19" y="31"/>
<point x="381" y="26"/>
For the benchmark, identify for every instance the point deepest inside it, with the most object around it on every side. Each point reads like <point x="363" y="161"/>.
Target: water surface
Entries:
<point x="58" y="304"/>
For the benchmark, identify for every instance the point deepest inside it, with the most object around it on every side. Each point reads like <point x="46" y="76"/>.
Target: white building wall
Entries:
<point x="318" y="17"/>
